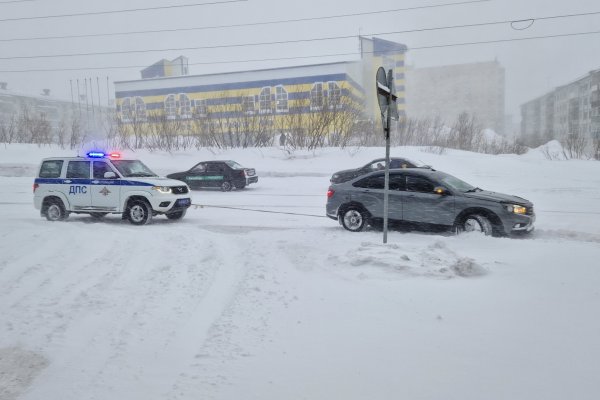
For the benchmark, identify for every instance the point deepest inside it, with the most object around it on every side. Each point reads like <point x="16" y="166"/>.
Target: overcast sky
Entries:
<point x="532" y="67"/>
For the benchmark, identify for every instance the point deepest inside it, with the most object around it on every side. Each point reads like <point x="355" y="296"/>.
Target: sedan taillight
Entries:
<point x="330" y="193"/>
<point x="35" y="186"/>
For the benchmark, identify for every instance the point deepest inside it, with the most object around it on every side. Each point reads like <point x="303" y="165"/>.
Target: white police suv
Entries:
<point x="101" y="183"/>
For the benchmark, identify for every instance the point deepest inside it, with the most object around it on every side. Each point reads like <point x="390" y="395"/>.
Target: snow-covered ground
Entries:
<point x="232" y="304"/>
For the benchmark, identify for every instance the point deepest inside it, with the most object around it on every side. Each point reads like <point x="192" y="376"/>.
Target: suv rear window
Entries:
<point x="78" y="169"/>
<point x="51" y="169"/>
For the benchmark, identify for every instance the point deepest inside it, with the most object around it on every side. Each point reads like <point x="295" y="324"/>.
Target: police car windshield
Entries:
<point x="132" y="168"/>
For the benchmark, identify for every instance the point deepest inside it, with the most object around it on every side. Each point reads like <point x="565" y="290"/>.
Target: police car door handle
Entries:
<point x="95" y="181"/>
<point x="67" y="181"/>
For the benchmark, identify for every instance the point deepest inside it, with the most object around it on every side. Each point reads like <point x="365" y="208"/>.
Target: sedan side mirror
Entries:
<point x="110" y="175"/>
<point x="442" y="191"/>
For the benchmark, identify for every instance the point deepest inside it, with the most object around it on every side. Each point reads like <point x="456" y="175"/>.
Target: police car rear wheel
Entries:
<point x="139" y="213"/>
<point x="176" y="214"/>
<point x="55" y="212"/>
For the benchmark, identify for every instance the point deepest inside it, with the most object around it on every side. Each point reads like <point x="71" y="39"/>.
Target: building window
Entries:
<point x="316" y="97"/>
<point x="334" y="95"/>
<point x="248" y="105"/>
<point x="201" y="108"/>
<point x="281" y="99"/>
<point x="126" y="110"/>
<point x="264" y="101"/>
<point x="140" y="109"/>
<point x="185" y="106"/>
<point x="170" y="107"/>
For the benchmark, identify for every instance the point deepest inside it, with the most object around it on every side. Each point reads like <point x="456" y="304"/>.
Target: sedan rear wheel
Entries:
<point x="354" y="219"/>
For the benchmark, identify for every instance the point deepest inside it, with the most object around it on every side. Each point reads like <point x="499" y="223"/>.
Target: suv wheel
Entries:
<point x="176" y="214"/>
<point x="476" y="223"/>
<point x="139" y="212"/>
<point x="226" y="186"/>
<point x="354" y="219"/>
<point x="56" y="211"/>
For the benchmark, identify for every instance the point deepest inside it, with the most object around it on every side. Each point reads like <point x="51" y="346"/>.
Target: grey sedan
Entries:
<point x="428" y="198"/>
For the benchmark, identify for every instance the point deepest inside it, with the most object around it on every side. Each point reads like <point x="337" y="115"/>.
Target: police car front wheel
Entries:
<point x="139" y="212"/>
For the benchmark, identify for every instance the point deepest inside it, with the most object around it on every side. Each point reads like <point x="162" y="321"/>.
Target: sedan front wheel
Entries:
<point x="477" y="223"/>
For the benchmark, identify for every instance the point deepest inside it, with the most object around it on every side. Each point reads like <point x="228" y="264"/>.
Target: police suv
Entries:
<point x="101" y="183"/>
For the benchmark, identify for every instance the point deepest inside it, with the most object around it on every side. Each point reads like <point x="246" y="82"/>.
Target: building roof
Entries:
<point x="233" y="73"/>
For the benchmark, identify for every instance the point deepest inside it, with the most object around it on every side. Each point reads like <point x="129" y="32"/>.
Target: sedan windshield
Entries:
<point x="457" y="184"/>
<point x="132" y="168"/>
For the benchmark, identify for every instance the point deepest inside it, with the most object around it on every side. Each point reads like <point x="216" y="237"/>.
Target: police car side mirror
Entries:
<point x="110" y="175"/>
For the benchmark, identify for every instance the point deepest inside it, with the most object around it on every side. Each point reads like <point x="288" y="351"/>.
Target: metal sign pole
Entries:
<point x="387" y="103"/>
<point x="386" y="186"/>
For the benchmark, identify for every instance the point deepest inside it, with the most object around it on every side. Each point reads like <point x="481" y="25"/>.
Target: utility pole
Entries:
<point x="386" y="96"/>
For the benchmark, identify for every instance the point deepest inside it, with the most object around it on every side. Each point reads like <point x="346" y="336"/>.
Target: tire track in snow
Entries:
<point x="118" y="338"/>
<point x="247" y="319"/>
<point x="64" y="285"/>
<point x="188" y="340"/>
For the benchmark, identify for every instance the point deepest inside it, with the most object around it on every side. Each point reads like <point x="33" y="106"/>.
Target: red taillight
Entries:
<point x="35" y="186"/>
<point x="330" y="193"/>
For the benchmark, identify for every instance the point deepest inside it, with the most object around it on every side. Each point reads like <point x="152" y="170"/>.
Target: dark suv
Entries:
<point x="217" y="174"/>
<point x="375" y="165"/>
<point x="427" y="197"/>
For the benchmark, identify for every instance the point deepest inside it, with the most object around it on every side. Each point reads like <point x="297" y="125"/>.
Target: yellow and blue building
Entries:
<point x="276" y="92"/>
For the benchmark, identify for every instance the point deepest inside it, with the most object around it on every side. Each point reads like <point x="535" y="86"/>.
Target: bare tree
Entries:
<point x="575" y="145"/>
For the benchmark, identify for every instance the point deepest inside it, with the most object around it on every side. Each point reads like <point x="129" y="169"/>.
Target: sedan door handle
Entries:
<point x="95" y="181"/>
<point x="67" y="181"/>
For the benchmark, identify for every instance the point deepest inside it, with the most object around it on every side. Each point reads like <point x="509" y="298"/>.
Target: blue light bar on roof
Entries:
<point x="96" y="154"/>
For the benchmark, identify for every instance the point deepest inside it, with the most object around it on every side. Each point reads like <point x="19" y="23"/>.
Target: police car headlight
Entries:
<point x="162" y="189"/>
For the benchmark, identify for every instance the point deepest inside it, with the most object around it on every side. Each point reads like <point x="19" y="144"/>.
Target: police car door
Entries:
<point x="105" y="190"/>
<point x="77" y="185"/>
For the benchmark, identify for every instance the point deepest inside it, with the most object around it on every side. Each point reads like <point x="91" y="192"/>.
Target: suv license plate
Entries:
<point x="183" y="202"/>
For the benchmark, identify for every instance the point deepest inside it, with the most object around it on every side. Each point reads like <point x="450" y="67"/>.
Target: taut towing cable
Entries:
<point x="196" y="206"/>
